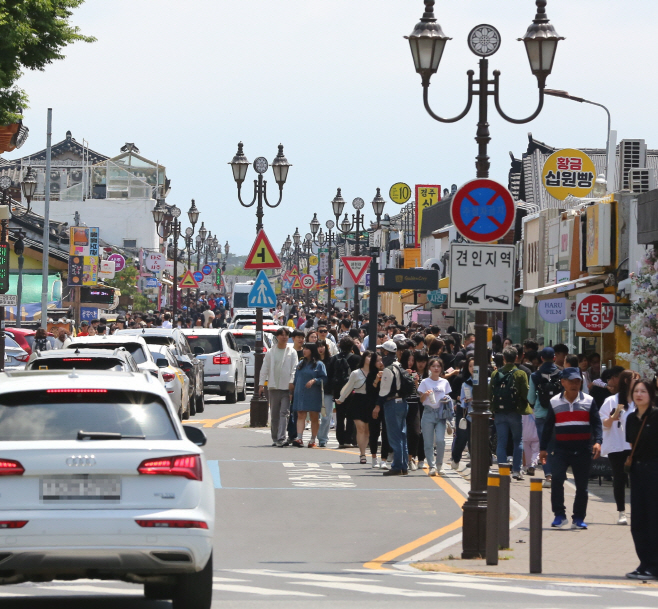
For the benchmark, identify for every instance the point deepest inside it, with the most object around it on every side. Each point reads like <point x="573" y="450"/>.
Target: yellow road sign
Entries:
<point x="400" y="193"/>
<point x="313" y="260"/>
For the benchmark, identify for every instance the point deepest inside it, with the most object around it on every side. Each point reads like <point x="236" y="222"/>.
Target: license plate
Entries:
<point x="81" y="487"/>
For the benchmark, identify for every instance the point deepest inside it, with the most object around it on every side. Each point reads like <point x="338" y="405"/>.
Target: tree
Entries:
<point x="126" y="281"/>
<point x="33" y="34"/>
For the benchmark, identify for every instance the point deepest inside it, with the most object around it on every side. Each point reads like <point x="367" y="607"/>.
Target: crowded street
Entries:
<point x="280" y="323"/>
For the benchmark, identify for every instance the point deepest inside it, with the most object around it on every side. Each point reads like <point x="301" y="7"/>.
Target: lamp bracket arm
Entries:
<point x="255" y="194"/>
<point x="469" y="103"/>
<point x="516" y="121"/>
<point x="265" y="195"/>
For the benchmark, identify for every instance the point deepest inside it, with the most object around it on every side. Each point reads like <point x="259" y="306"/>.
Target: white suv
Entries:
<point x="100" y="480"/>
<point x="224" y="368"/>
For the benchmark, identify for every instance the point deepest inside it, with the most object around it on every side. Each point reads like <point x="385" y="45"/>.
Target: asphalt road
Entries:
<point x="297" y="525"/>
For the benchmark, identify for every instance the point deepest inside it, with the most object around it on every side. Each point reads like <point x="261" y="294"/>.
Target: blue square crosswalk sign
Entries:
<point x="262" y="295"/>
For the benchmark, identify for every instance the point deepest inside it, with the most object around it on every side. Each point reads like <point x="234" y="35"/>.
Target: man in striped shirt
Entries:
<point x="578" y="435"/>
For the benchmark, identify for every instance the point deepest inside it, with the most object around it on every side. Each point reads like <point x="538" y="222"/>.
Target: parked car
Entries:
<point x="225" y="370"/>
<point x="25" y="338"/>
<point x="15" y="357"/>
<point x="118" y="360"/>
<point x="177" y="383"/>
<point x="135" y="345"/>
<point x="246" y="317"/>
<point x="246" y="342"/>
<point x="186" y="358"/>
<point x="101" y="480"/>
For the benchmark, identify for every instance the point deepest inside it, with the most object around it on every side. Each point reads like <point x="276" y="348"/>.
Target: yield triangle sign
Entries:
<point x="188" y="281"/>
<point x="293" y="272"/>
<point x="356" y="266"/>
<point x="262" y="255"/>
<point x="297" y="284"/>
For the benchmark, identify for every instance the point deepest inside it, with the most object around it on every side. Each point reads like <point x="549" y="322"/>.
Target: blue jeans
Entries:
<point x="580" y="461"/>
<point x="325" y="423"/>
<point x="507" y="422"/>
<point x="395" y="412"/>
<point x="434" y="429"/>
<point x="539" y="422"/>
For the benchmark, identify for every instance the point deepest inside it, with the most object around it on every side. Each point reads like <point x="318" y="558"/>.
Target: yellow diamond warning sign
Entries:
<point x="262" y="254"/>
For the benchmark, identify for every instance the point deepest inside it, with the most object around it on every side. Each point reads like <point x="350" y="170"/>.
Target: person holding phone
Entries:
<point x="434" y="394"/>
<point x="614" y="412"/>
<point x="463" y="430"/>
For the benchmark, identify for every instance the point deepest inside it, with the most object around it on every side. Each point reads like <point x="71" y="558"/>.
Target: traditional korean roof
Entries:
<point x="69" y="144"/>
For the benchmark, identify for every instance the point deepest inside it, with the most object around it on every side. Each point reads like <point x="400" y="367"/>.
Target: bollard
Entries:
<point x="535" y="524"/>
<point x="493" y="491"/>
<point x="503" y="506"/>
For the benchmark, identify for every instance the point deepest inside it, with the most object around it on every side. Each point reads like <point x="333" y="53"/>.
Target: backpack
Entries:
<point x="341" y="374"/>
<point x="41" y="344"/>
<point x="504" y="391"/>
<point x="407" y="384"/>
<point x="548" y="388"/>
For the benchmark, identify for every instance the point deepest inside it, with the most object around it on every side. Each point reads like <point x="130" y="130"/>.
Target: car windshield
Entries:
<point x="79" y="363"/>
<point x="248" y="340"/>
<point x="56" y="414"/>
<point x="240" y="299"/>
<point x="10" y="342"/>
<point x="210" y="343"/>
<point x="135" y="349"/>
<point x="152" y="339"/>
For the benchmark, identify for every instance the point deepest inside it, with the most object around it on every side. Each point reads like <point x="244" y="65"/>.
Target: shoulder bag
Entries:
<point x="629" y="459"/>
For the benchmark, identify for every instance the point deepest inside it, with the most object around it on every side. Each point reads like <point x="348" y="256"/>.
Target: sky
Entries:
<point x="333" y="81"/>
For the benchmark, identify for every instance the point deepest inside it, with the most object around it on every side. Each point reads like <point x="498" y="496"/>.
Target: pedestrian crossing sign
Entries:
<point x="262" y="254"/>
<point x="262" y="295"/>
<point x="188" y="281"/>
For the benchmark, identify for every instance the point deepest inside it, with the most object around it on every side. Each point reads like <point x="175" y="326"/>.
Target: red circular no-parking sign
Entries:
<point x="593" y="315"/>
<point x="483" y="210"/>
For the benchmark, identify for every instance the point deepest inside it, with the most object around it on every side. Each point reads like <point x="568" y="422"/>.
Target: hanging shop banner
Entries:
<point x="568" y="172"/>
<point x="4" y="268"/>
<point x="426" y="196"/>
<point x="83" y="270"/>
<point x="553" y="310"/>
<point x="592" y="314"/>
<point x="83" y="241"/>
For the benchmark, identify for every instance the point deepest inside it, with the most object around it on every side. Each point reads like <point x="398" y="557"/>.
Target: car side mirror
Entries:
<point x="245" y="349"/>
<point x="161" y="362"/>
<point x="195" y="435"/>
<point x="199" y="350"/>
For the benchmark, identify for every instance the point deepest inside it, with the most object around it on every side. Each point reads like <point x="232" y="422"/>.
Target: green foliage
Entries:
<point x="141" y="303"/>
<point x="33" y="34"/>
<point x="238" y="270"/>
<point x="126" y="280"/>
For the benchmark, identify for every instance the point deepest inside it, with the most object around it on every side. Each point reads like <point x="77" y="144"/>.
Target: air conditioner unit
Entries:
<point x="641" y="180"/>
<point x="433" y="264"/>
<point x="58" y="182"/>
<point x="632" y="155"/>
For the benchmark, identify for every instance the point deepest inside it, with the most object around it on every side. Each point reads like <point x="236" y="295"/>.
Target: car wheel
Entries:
<point x="200" y="405"/>
<point x="232" y="398"/>
<point x="194" y="590"/>
<point x="242" y="395"/>
<point x="159" y="592"/>
<point x="191" y="405"/>
<point x="186" y="414"/>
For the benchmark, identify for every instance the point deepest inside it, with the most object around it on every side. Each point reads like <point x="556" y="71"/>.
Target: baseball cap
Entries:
<point x="389" y="346"/>
<point x="399" y="337"/>
<point x="570" y="374"/>
<point x="84" y="323"/>
<point x="547" y="353"/>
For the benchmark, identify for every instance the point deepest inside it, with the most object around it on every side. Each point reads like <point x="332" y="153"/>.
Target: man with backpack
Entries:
<point x="396" y="385"/>
<point x="508" y="393"/>
<point x="545" y="383"/>
<point x="338" y="373"/>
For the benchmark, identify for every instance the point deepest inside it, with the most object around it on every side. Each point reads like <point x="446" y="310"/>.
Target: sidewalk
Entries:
<point x="605" y="552"/>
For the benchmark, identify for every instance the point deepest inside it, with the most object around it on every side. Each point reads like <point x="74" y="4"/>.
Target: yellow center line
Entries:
<point x="213" y="422"/>
<point x="456" y="496"/>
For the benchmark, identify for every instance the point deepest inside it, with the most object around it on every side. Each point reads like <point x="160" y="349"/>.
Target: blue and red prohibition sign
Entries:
<point x="483" y="210"/>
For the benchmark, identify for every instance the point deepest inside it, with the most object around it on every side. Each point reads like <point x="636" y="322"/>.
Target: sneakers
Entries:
<point x="341" y="446"/>
<point x="517" y="475"/>
<point x="547" y="482"/>
<point x="281" y="443"/>
<point x="622" y="518"/>
<point x="530" y="471"/>
<point x="311" y="444"/>
<point x="641" y="574"/>
<point x="559" y="522"/>
<point x="434" y="472"/>
<point x="412" y="464"/>
<point x="385" y="465"/>
<point x="454" y="464"/>
<point x="579" y="525"/>
<point x="322" y="445"/>
<point x="422" y="464"/>
<point x="298" y="443"/>
<point x="375" y="462"/>
<point x="392" y="472"/>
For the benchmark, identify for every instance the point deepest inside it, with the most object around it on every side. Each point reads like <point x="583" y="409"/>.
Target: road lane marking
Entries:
<point x="213" y="422"/>
<point x="645" y="592"/>
<point x="92" y="590"/>
<point x="261" y="591"/>
<point x="213" y="466"/>
<point x="371" y="589"/>
<point x="311" y="576"/>
<point x="316" y="475"/>
<point x="506" y="589"/>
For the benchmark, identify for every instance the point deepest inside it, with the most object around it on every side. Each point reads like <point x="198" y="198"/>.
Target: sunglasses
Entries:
<point x="322" y="331"/>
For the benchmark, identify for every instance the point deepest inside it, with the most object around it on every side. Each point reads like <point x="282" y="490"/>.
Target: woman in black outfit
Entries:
<point x="377" y="424"/>
<point x="413" y="413"/>
<point x="463" y="435"/>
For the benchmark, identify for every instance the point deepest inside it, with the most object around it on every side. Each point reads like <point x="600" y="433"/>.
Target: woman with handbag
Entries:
<point x="613" y="413"/>
<point x="434" y="394"/>
<point x="377" y="422"/>
<point x="353" y="395"/>
<point x="310" y="377"/>
<point x="414" y="435"/>
<point x="642" y="434"/>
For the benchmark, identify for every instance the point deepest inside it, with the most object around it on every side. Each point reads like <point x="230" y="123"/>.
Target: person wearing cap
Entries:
<point x="575" y="419"/>
<point x="395" y="408"/>
<point x="544" y="377"/>
<point x="84" y="328"/>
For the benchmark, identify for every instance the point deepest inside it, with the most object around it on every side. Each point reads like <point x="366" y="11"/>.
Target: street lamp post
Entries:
<point x="373" y="304"/>
<point x="280" y="167"/>
<point x="320" y="239"/>
<point x="427" y="43"/>
<point x="345" y="227"/>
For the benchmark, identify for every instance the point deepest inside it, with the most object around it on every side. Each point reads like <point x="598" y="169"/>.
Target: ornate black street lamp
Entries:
<point x="321" y="239"/>
<point x="427" y="43"/>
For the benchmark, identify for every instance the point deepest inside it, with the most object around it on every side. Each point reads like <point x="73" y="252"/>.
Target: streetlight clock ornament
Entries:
<point x="484" y="40"/>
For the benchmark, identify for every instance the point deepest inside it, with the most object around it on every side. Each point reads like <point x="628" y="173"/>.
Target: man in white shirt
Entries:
<point x="166" y="322"/>
<point x="208" y="317"/>
<point x="278" y="372"/>
<point x="63" y="340"/>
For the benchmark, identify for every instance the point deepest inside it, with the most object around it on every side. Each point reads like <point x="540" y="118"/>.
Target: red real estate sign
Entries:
<point x="592" y="314"/>
<point x="356" y="266"/>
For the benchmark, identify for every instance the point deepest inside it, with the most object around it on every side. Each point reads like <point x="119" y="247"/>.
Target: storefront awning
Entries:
<point x="444" y="283"/>
<point x="581" y="284"/>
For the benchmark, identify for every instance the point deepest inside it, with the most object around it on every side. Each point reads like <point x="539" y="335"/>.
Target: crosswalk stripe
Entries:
<point x="337" y="466"/>
<point x="645" y="592"/>
<point x="92" y="590"/>
<point x="228" y="579"/>
<point x="506" y="589"/>
<point x="312" y="576"/>
<point x="373" y="589"/>
<point x="260" y="591"/>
